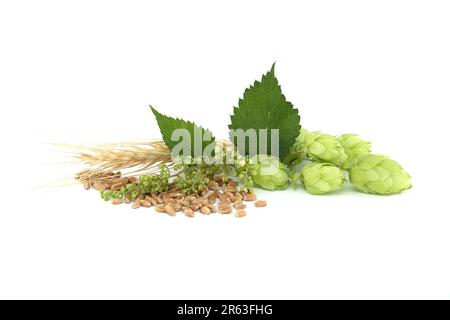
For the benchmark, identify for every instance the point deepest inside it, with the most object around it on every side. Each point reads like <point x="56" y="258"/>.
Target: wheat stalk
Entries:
<point x="131" y="158"/>
<point x="134" y="157"/>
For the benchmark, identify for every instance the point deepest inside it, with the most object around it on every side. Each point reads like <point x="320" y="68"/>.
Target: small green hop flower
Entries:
<point x="295" y="179"/>
<point x="269" y="173"/>
<point x="297" y="153"/>
<point x="354" y="147"/>
<point x="322" y="178"/>
<point x="323" y="147"/>
<point x="379" y="174"/>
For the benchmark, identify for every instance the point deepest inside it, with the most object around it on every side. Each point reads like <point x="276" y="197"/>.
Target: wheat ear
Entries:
<point x="131" y="158"/>
<point x="134" y="157"/>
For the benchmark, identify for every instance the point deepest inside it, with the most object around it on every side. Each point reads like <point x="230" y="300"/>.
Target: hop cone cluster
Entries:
<point x="368" y="172"/>
<point x="322" y="178"/>
<point x="379" y="174"/>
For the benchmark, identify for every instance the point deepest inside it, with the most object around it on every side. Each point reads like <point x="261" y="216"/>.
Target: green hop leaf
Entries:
<point x="323" y="147"/>
<point x="354" y="147"/>
<point x="168" y="125"/>
<point x="379" y="174"/>
<point x="270" y="173"/>
<point x="265" y="107"/>
<point x="322" y="178"/>
<point x="297" y="153"/>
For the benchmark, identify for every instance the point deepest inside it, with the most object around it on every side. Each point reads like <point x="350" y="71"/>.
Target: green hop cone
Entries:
<point x="269" y="173"/>
<point x="322" y="178"/>
<point x="379" y="174"/>
<point x="297" y="153"/>
<point x="354" y="147"/>
<point x="323" y="147"/>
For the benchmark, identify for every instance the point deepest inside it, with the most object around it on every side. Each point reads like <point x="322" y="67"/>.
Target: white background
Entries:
<point x="86" y="71"/>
